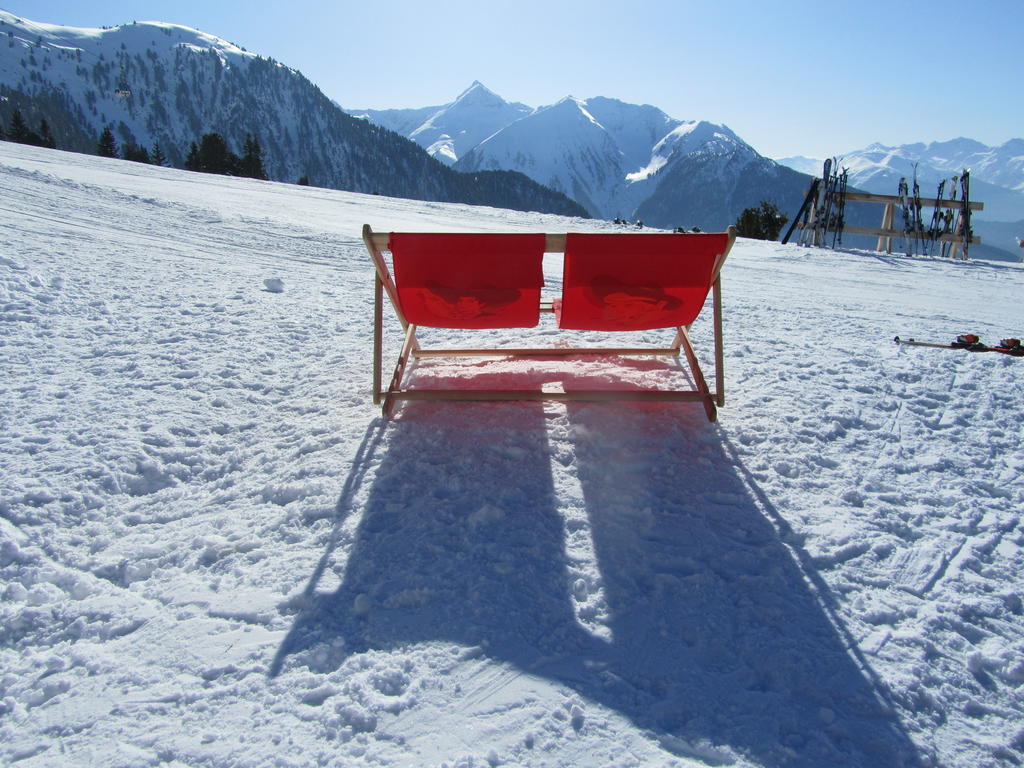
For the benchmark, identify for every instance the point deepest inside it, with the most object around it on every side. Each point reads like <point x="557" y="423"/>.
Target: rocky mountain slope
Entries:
<point x="165" y="84"/>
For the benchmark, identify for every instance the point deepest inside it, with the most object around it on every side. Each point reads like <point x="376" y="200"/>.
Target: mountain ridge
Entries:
<point x="166" y="84"/>
<point x="614" y="158"/>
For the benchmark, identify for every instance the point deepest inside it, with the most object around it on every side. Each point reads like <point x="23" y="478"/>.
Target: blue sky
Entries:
<point x="790" y="77"/>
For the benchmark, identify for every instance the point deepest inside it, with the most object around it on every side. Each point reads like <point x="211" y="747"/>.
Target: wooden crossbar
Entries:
<point x="549" y="352"/>
<point x="554" y="243"/>
<point x="926" y="202"/>
<point x="384" y="285"/>
<point x="888" y="232"/>
<point x="587" y="395"/>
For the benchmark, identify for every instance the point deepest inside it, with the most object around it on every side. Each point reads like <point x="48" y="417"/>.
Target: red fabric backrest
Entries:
<point x="634" y="282"/>
<point x="469" y="280"/>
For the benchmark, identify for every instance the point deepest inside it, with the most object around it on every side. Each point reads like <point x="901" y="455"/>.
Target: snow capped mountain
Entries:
<point x="634" y="128"/>
<point x="470" y="119"/>
<point x="155" y="83"/>
<point x="610" y="156"/>
<point x="1002" y="165"/>
<point x="808" y="165"/>
<point x="564" y="145"/>
<point x="449" y="131"/>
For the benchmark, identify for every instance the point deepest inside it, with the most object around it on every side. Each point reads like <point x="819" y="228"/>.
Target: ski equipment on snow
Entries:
<point x="972" y="343"/>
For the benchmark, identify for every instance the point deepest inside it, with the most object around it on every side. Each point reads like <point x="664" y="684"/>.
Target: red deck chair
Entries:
<point x="615" y="282"/>
<point x="468" y="280"/>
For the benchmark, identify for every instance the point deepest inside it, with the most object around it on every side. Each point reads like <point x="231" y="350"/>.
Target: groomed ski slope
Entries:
<point x="214" y="553"/>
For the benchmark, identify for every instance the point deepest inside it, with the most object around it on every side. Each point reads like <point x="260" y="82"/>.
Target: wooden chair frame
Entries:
<point x="377" y="243"/>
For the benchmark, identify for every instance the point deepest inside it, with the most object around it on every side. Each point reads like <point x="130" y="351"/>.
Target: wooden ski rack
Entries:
<point x="887" y="231"/>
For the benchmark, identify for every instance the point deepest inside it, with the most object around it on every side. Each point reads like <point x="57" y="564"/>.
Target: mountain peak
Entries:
<point x="567" y="111"/>
<point x="479" y="94"/>
<point x="452" y="130"/>
<point x="571" y="100"/>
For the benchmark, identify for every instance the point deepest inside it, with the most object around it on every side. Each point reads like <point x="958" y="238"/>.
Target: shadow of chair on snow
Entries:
<point x="715" y="634"/>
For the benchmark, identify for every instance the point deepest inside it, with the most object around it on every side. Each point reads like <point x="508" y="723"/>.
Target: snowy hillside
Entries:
<point x="214" y="552"/>
<point x="163" y="84"/>
<point x="127" y="77"/>
<point x="616" y="159"/>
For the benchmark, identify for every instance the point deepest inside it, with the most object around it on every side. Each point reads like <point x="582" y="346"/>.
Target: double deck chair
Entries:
<point x="610" y="282"/>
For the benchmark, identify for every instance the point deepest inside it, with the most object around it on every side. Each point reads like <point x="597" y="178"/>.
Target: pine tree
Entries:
<point x="251" y="164"/>
<point x="135" y="153"/>
<point x="45" y="137"/>
<point x="157" y="156"/>
<point x="763" y="222"/>
<point x="213" y="156"/>
<point x="107" y="146"/>
<point x="18" y="131"/>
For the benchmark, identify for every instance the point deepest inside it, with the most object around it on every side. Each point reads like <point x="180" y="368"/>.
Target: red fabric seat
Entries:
<point x="469" y="280"/>
<point x="636" y="282"/>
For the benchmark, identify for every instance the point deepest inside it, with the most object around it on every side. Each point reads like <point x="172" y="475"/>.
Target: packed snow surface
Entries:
<point x="215" y="552"/>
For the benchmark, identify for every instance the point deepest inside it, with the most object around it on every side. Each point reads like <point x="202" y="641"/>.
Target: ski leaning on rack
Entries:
<point x="811" y="235"/>
<point x="935" y="227"/>
<point x="830" y="199"/>
<point x="805" y="209"/>
<point x="965" y="212"/>
<point x="949" y="224"/>
<point x="904" y="192"/>
<point x="916" y="216"/>
<point x="971" y="343"/>
<point x="839" y="219"/>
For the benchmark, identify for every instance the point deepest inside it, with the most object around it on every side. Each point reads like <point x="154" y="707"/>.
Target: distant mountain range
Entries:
<point x="165" y="84"/>
<point x="616" y="159"/>
<point x="997" y="178"/>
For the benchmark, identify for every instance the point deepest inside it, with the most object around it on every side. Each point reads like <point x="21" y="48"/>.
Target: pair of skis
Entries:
<point x="913" y="218"/>
<point x="971" y="343"/>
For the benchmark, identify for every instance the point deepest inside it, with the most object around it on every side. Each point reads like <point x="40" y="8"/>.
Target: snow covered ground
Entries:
<point x="214" y="552"/>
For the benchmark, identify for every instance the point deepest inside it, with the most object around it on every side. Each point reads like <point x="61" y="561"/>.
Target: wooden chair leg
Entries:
<point x="698" y="376"/>
<point x="719" y="343"/>
<point x="399" y="374"/>
<point x="378" y="340"/>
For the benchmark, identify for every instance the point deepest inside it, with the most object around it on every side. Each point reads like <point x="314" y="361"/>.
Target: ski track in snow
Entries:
<point x="214" y="552"/>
